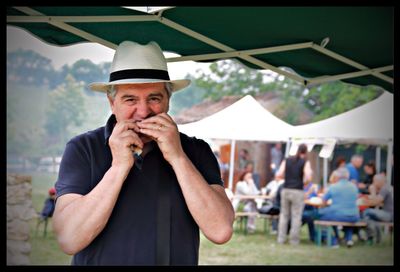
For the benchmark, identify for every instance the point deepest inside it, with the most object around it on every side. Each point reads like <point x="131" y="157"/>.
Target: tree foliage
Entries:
<point x="66" y="108"/>
<point x="333" y="98"/>
<point x="29" y="67"/>
<point x="24" y="122"/>
<point x="229" y="77"/>
<point x="187" y="97"/>
<point x="86" y="72"/>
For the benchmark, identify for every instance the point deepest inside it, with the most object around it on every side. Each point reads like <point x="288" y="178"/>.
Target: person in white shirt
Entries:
<point x="246" y="186"/>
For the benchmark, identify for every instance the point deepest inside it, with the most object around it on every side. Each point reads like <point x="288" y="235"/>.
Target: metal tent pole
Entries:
<point x="232" y="164"/>
<point x="389" y="162"/>
<point x="378" y="159"/>
<point x="325" y="172"/>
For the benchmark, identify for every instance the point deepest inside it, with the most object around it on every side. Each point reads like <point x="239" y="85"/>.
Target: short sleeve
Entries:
<point x="384" y="193"/>
<point x="205" y="162"/>
<point x="74" y="175"/>
<point x="327" y="196"/>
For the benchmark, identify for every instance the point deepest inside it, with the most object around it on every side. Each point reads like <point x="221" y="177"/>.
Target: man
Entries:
<point x="136" y="191"/>
<point x="353" y="166"/>
<point x="343" y="195"/>
<point x="244" y="158"/>
<point x="381" y="196"/>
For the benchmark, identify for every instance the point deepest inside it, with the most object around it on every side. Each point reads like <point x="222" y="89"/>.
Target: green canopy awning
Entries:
<point x="320" y="44"/>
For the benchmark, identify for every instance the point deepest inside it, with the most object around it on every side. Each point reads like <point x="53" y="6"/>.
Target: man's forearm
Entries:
<point x="79" y="219"/>
<point x="208" y="204"/>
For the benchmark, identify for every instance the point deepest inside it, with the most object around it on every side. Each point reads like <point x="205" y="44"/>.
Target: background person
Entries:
<point x="293" y="170"/>
<point x="246" y="186"/>
<point x="370" y="172"/>
<point x="310" y="212"/>
<point x="272" y="206"/>
<point x="343" y="195"/>
<point x="244" y="158"/>
<point x="340" y="162"/>
<point x="49" y="204"/>
<point x="256" y="177"/>
<point x="382" y="196"/>
<point x="353" y="166"/>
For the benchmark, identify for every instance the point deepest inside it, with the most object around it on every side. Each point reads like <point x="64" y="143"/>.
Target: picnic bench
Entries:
<point x="243" y="217"/>
<point x="328" y="225"/>
<point x="388" y="228"/>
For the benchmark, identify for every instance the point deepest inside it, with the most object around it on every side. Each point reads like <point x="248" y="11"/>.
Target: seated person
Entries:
<point x="255" y="176"/>
<point x="272" y="187"/>
<point x="310" y="212"/>
<point x="273" y="208"/>
<point x="270" y="190"/>
<point x="370" y="172"/>
<point x="381" y="195"/>
<point x="246" y="186"/>
<point x="343" y="195"/>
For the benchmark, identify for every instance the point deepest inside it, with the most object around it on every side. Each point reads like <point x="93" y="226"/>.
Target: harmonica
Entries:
<point x="136" y="150"/>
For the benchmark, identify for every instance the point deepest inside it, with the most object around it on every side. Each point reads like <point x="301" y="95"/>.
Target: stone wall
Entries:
<point x="19" y="213"/>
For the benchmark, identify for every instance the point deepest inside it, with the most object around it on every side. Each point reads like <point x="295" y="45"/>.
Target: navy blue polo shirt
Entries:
<point x="129" y="237"/>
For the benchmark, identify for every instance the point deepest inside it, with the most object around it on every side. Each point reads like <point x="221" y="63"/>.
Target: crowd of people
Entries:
<point x="355" y="192"/>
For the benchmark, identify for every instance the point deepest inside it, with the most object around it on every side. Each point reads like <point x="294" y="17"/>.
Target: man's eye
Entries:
<point x="155" y="99"/>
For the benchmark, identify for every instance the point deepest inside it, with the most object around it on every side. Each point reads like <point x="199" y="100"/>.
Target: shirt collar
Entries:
<point x="109" y="128"/>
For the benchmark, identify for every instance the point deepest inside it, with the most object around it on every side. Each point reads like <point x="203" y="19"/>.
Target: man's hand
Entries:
<point x="124" y="135"/>
<point x="164" y="131"/>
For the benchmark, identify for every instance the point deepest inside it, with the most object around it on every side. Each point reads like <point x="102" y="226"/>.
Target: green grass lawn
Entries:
<point x="45" y="250"/>
<point x="258" y="248"/>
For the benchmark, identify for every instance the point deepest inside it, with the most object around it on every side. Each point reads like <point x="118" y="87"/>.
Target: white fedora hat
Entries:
<point x="134" y="63"/>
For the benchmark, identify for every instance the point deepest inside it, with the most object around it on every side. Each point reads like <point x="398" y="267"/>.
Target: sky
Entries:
<point x="18" y="38"/>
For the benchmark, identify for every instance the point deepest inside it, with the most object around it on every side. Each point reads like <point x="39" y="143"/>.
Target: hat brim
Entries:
<point x="105" y="86"/>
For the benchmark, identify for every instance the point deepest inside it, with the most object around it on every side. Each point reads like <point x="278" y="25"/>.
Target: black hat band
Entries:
<point x="139" y="73"/>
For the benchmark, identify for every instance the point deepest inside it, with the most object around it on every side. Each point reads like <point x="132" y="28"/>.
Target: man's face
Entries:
<point x="377" y="183"/>
<point x="138" y="102"/>
<point x="359" y="162"/>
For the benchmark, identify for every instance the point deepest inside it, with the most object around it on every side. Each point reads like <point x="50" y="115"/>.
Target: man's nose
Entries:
<point x="143" y="111"/>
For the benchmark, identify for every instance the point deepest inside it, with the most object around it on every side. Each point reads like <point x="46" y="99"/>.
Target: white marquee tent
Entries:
<point x="244" y="120"/>
<point x="371" y="123"/>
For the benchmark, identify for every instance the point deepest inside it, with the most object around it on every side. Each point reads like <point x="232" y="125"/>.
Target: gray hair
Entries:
<point x="168" y="87"/>
<point x="380" y="177"/>
<point x="342" y="173"/>
<point x="112" y="92"/>
<point x="356" y="156"/>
